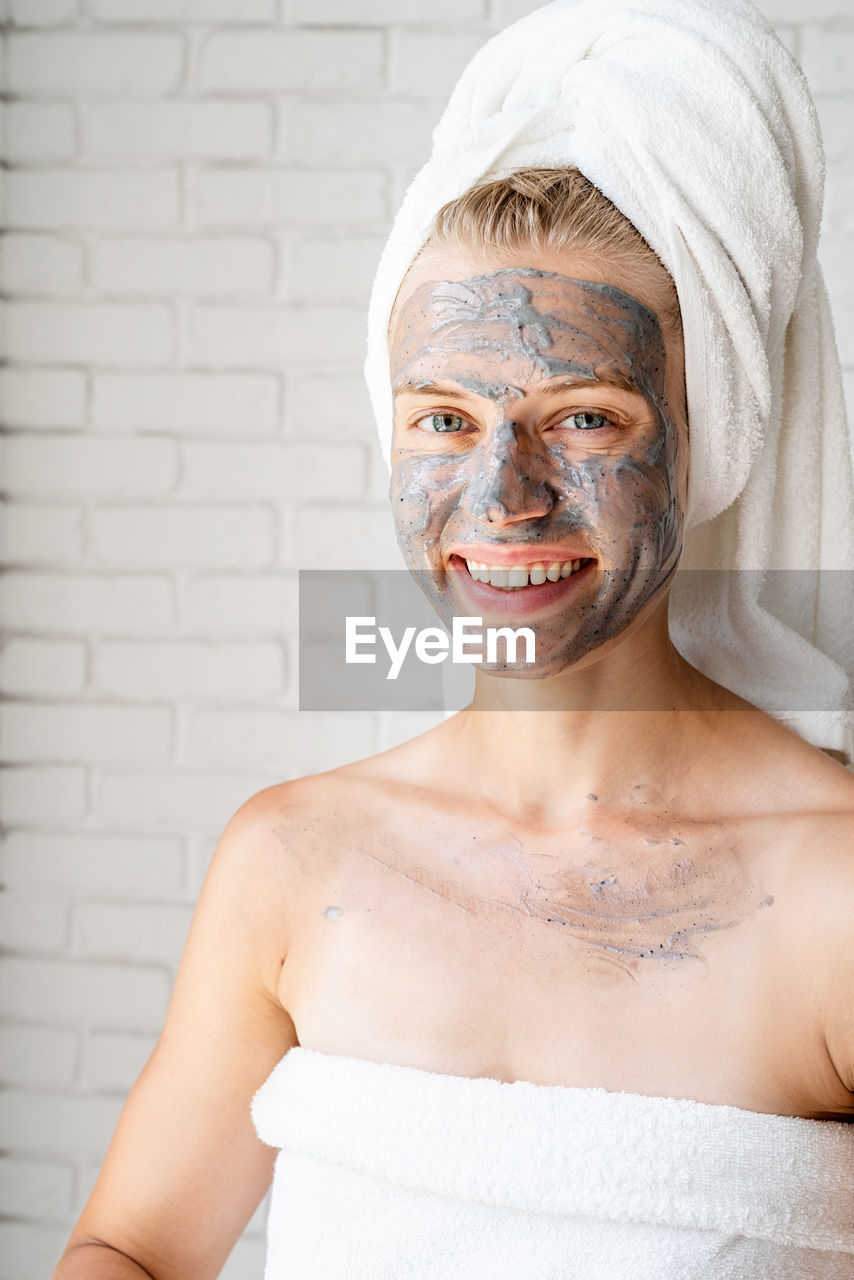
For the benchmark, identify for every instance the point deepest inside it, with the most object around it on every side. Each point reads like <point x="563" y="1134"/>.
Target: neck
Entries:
<point x="614" y="727"/>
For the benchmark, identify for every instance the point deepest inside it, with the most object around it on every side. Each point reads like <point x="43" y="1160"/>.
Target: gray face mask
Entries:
<point x="537" y="475"/>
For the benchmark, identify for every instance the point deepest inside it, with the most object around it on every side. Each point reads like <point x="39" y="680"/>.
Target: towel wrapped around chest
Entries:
<point x="387" y="1172"/>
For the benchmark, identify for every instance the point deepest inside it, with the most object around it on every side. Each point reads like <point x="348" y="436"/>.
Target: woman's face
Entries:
<point x="539" y="464"/>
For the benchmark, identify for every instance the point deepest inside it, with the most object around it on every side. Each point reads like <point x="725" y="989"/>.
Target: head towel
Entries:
<point x="696" y="122"/>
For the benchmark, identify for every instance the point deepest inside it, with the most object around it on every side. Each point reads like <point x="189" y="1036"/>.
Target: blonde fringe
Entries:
<point x="549" y="209"/>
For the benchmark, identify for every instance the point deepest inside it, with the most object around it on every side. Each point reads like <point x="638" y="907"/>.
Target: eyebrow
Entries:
<point x="430" y="390"/>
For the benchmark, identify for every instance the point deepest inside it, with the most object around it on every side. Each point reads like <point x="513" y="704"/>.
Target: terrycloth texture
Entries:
<point x="696" y="122"/>
<point x="395" y="1173"/>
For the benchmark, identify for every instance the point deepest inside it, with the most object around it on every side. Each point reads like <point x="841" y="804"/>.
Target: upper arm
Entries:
<point x="840" y="1004"/>
<point x="829" y="919"/>
<point x="185" y="1169"/>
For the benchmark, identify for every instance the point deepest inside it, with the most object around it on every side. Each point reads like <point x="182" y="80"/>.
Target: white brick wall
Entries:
<point x="88" y="334"/>
<point x="39" y="131"/>
<point x="196" y="197"/>
<point x="94" y="65"/>
<point x="43" y="397"/>
<point x="90" y="199"/>
<point x="41" y="265"/>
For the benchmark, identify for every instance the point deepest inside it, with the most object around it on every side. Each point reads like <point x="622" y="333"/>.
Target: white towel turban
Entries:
<point x="695" y="121"/>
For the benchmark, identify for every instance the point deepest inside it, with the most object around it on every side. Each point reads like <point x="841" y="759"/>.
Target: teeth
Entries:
<point x="520" y="575"/>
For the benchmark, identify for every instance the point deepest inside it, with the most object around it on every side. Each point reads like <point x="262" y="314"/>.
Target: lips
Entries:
<point x="517" y="577"/>
<point x="510" y="554"/>
<point x="516" y="601"/>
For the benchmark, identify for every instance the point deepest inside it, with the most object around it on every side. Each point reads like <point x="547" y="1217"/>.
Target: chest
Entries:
<point x="641" y="962"/>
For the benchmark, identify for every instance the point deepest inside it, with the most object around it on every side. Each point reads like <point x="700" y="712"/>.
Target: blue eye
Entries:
<point x="584" y="420"/>
<point x="442" y="422"/>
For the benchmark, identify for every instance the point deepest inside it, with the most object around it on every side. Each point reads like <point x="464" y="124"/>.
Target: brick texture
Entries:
<point x="186" y="130"/>
<point x="38" y="13"/>
<point x="38" y="132"/>
<point x="249" y="62"/>
<point x="37" y="533"/>
<point x="88" y="465"/>
<point x="54" y="398"/>
<point x="208" y="404"/>
<point x="196" y="195"/>
<point x="184" y="11"/>
<point x="109" y="863"/>
<point x="188" y="670"/>
<point x="37" y="1056"/>
<point x="112" y="334"/>
<point x="41" y="265"/>
<point x="94" y="64"/>
<point x="42" y="667"/>
<point x="295" y="197"/>
<point x="93" y="199"/>
<point x="35" y="1188"/>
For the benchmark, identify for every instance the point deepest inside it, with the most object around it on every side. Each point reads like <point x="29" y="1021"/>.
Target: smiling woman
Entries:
<point x="563" y="447"/>
<point x="562" y="988"/>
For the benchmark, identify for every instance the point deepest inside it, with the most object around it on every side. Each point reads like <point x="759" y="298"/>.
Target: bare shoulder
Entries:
<point x="311" y="826"/>
<point x="297" y="831"/>
<point x="794" y="805"/>
<point x="817" y="830"/>
<point x="822" y="866"/>
<point x="268" y="852"/>
<point x="826" y="889"/>
<point x="816" y="801"/>
<point x="807" y="800"/>
<point x="274" y="841"/>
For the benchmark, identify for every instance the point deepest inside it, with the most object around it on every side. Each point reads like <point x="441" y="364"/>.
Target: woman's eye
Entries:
<point x="586" y="420"/>
<point x="442" y="422"/>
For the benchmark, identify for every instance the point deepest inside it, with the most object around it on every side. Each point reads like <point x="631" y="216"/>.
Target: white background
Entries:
<point x="197" y="196"/>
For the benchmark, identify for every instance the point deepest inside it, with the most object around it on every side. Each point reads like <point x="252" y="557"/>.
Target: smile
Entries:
<point x="516" y="577"/>
<point x="523" y="591"/>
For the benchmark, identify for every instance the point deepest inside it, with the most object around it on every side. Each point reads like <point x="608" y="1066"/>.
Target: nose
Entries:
<point x="508" y="484"/>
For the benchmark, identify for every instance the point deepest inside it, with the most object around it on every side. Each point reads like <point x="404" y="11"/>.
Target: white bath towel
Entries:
<point x="697" y="123"/>
<point x="396" y="1173"/>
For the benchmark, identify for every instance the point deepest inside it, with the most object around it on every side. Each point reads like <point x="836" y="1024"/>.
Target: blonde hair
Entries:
<point x="551" y="209"/>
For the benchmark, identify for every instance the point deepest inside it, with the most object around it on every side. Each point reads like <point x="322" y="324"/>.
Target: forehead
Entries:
<point x="451" y="262"/>
<point x="542" y="323"/>
<point x="535" y="308"/>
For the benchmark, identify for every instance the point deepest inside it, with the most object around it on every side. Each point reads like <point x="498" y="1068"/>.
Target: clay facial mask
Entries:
<point x="532" y="424"/>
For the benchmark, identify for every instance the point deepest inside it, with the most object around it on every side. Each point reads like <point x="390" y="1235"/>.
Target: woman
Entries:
<point x="563" y="987"/>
